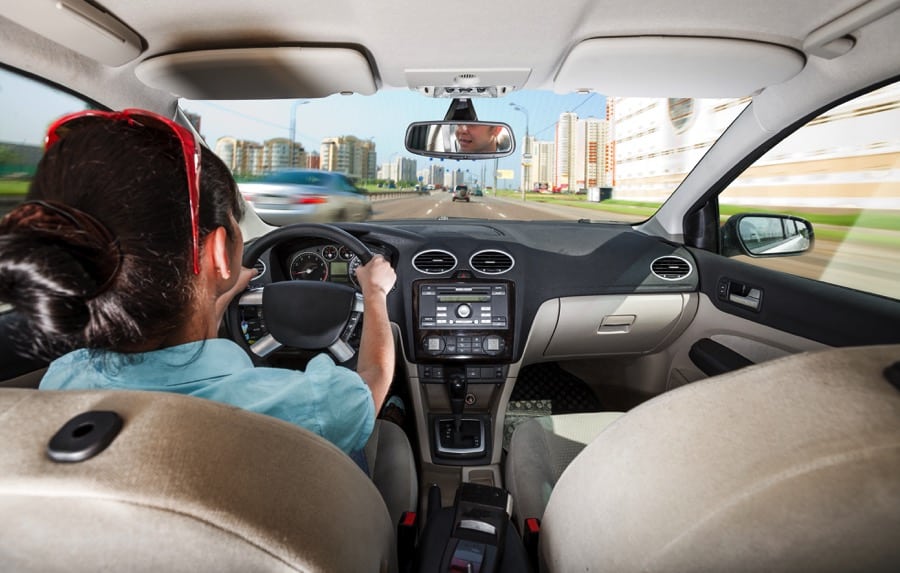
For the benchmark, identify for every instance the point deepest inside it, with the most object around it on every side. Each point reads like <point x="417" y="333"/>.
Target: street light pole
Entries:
<point x="293" y="130"/>
<point x="526" y="150"/>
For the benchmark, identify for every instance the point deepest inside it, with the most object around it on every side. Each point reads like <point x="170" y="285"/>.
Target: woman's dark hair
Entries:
<point x="100" y="255"/>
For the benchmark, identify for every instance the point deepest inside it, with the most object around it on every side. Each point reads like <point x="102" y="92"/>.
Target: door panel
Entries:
<point x="815" y="310"/>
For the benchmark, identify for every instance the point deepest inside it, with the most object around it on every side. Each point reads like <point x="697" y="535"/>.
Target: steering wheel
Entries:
<point x="309" y="315"/>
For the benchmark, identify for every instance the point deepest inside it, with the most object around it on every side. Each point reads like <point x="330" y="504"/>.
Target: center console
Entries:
<point x="463" y="333"/>
<point x="475" y="534"/>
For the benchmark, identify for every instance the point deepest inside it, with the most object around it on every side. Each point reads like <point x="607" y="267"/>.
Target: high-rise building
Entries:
<point x="587" y="165"/>
<point x="659" y="140"/>
<point x="250" y="158"/>
<point x="277" y="154"/>
<point x="242" y="157"/>
<point x="580" y="149"/>
<point x="435" y="175"/>
<point x="543" y="165"/>
<point x="565" y="151"/>
<point x="350" y="155"/>
<point x="406" y="169"/>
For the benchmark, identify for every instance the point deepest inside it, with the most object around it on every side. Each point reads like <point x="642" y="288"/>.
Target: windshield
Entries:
<point x="578" y="156"/>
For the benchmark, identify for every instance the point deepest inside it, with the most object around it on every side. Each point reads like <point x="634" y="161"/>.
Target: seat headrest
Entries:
<point x="187" y="485"/>
<point x="789" y="465"/>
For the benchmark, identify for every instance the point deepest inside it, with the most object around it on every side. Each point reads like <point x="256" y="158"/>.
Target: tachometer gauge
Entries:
<point x="330" y="252"/>
<point x="346" y="253"/>
<point x="354" y="264"/>
<point x="309" y="267"/>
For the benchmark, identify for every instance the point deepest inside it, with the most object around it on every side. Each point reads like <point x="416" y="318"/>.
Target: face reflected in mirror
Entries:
<point x="477" y="138"/>
<point x="460" y="140"/>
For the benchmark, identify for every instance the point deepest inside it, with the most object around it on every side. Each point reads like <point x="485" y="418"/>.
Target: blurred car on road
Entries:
<point x="461" y="193"/>
<point x="306" y="196"/>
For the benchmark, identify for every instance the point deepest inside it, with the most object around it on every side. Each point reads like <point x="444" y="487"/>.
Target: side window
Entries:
<point x="29" y="107"/>
<point x="841" y="172"/>
<point x="347" y="185"/>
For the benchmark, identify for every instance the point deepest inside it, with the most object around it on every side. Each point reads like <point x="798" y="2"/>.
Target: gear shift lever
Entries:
<point x="456" y="388"/>
<point x="456" y="436"/>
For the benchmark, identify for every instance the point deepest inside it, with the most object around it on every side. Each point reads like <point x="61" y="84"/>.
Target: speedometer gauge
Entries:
<point x="309" y="267"/>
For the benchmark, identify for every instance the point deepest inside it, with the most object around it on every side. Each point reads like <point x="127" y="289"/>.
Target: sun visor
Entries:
<point x="260" y="73"/>
<point x="80" y="26"/>
<point x="667" y="66"/>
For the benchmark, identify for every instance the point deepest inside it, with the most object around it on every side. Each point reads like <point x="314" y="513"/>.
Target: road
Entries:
<point x="440" y="204"/>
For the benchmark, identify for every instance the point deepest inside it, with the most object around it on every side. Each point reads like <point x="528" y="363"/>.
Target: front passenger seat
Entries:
<point x="788" y="465"/>
<point x="187" y="485"/>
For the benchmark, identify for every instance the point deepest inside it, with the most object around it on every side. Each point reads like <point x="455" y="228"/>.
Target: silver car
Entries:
<point x="306" y="196"/>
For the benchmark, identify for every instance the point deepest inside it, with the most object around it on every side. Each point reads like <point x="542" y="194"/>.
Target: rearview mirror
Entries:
<point x="764" y="235"/>
<point x="460" y="139"/>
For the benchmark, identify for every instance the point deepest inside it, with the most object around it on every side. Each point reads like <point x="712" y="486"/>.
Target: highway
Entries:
<point x="440" y="204"/>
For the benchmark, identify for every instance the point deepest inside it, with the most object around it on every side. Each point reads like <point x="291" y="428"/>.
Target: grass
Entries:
<point x="883" y="220"/>
<point x="13" y="187"/>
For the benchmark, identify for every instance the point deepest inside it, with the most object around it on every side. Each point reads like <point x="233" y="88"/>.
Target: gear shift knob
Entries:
<point x="456" y="389"/>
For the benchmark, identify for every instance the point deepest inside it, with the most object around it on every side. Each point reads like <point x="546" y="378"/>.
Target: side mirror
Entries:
<point x="764" y="235"/>
<point x="460" y="139"/>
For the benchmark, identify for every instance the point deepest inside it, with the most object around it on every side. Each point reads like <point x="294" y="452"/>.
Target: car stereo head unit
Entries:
<point x="463" y="306"/>
<point x="469" y="320"/>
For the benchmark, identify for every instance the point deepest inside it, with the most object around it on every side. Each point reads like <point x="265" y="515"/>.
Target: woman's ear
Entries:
<point x="218" y="254"/>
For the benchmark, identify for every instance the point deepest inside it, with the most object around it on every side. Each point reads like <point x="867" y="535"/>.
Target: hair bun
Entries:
<point x="82" y="234"/>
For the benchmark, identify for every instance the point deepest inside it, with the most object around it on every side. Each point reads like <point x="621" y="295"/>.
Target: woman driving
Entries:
<point x="123" y="259"/>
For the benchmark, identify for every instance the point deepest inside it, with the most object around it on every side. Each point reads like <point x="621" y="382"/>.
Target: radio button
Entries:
<point x="434" y="344"/>
<point x="493" y="344"/>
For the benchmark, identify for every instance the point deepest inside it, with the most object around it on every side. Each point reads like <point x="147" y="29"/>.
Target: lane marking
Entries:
<point x="502" y="215"/>
<point x="428" y="212"/>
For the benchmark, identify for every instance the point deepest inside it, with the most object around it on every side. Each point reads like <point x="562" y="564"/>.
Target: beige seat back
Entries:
<point x="187" y="485"/>
<point x="790" y="465"/>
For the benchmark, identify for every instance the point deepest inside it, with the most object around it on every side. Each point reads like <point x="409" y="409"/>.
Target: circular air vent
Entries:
<point x="670" y="268"/>
<point x="434" y="262"/>
<point x="260" y="267"/>
<point x="491" y="262"/>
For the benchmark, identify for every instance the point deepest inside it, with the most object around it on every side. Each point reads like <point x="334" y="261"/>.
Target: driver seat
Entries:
<point x="187" y="484"/>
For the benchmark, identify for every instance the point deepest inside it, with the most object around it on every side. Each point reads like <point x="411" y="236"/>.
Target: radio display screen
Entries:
<point x="463" y="298"/>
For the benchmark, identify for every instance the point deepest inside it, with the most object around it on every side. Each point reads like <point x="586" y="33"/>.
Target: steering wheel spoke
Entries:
<point x="265" y="346"/>
<point x="252" y="297"/>
<point x="341" y="351"/>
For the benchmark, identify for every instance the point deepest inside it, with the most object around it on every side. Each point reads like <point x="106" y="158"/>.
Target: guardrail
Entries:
<point x="382" y="194"/>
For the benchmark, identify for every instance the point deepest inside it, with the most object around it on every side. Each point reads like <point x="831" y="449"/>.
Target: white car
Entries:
<point x="306" y="196"/>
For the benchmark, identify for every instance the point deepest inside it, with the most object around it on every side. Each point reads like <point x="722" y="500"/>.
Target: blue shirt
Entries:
<point x="329" y="400"/>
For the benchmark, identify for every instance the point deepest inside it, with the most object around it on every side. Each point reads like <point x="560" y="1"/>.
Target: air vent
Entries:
<point x="434" y="262"/>
<point x="670" y="268"/>
<point x="491" y="262"/>
<point x="260" y="267"/>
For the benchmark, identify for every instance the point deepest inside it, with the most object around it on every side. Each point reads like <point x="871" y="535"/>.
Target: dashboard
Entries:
<point x="469" y="293"/>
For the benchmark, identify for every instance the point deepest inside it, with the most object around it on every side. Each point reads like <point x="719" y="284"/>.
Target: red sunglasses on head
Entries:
<point x="190" y="147"/>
